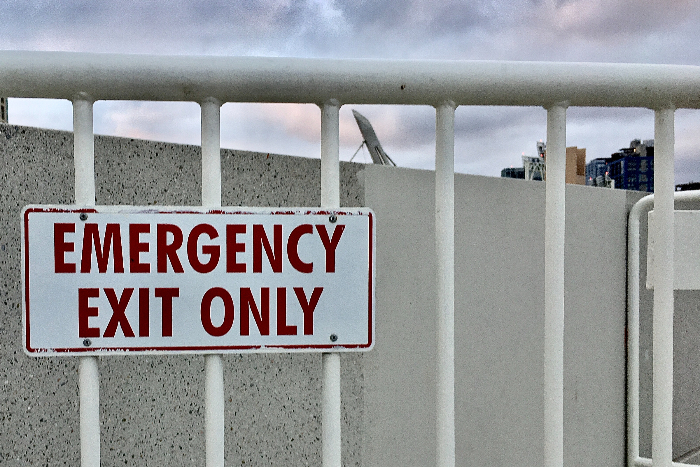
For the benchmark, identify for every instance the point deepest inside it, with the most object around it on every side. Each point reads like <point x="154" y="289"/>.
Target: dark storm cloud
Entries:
<point x="267" y="19"/>
<point x="368" y="14"/>
<point x="420" y="18"/>
<point x="26" y="17"/>
<point x="176" y="27"/>
<point x="573" y="30"/>
<point x="628" y="17"/>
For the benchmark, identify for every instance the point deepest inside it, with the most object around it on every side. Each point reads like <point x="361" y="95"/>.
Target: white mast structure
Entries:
<point x="536" y="165"/>
<point x="371" y="141"/>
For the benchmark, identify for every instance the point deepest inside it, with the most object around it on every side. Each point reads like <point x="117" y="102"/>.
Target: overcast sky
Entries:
<point x="486" y="139"/>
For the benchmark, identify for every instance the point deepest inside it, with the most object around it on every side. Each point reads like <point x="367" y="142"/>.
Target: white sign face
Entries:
<point x="187" y="280"/>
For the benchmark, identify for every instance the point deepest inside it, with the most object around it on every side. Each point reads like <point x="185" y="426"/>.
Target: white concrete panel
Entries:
<point x="499" y="323"/>
<point x="399" y="392"/>
<point x="686" y="254"/>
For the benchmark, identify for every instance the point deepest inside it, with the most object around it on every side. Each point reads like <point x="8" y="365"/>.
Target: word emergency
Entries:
<point x="108" y="245"/>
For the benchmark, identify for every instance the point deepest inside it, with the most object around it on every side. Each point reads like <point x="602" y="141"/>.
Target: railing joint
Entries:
<point x="82" y="96"/>
<point x="560" y="104"/>
<point x="447" y="103"/>
<point x="332" y="102"/>
<point x="211" y="100"/>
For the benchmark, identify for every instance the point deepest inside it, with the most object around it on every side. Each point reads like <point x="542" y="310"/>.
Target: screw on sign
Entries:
<point x="181" y="280"/>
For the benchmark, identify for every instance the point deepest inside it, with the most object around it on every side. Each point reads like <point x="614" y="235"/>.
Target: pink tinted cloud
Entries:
<point x="601" y="19"/>
<point x="303" y="121"/>
<point x="177" y="122"/>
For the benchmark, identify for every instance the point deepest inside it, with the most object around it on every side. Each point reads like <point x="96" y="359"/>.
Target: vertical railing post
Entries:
<point x="330" y="198"/>
<point x="84" y="151"/>
<point x="88" y="373"/>
<point x="445" y="254"/>
<point x="211" y="198"/>
<point x="633" y="337"/>
<point x="663" y="234"/>
<point x="554" y="232"/>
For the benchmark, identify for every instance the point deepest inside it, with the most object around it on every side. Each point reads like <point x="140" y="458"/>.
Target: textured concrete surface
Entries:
<point x="152" y="407"/>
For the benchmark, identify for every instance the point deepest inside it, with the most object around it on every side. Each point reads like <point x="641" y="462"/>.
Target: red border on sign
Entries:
<point x="191" y="349"/>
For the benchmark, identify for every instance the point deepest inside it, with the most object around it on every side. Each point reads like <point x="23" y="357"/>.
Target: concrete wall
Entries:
<point x="152" y="406"/>
<point x="152" y="410"/>
<point x="499" y="322"/>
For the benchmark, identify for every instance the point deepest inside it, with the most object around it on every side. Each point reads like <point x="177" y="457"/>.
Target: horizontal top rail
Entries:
<point x="63" y="75"/>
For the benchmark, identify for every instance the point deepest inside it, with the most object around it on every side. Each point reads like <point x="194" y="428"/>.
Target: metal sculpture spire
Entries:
<point x="371" y="141"/>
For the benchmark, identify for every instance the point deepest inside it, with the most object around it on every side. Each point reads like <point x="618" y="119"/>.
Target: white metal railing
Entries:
<point x="664" y="340"/>
<point x="211" y="81"/>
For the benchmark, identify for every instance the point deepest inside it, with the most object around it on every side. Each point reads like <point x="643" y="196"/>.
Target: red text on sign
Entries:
<point x="199" y="248"/>
<point x="259" y="310"/>
<point x="118" y="304"/>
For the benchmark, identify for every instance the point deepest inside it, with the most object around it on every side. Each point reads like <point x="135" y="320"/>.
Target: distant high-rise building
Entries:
<point x="535" y="168"/>
<point x="576" y="165"/>
<point x="688" y="186"/>
<point x="596" y="168"/>
<point x="630" y="168"/>
<point x="633" y="172"/>
<point x="513" y="172"/>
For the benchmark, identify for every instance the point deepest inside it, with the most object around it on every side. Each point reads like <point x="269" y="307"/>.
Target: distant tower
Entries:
<point x="371" y="141"/>
<point x="541" y="148"/>
<point x="536" y="167"/>
<point x="3" y="109"/>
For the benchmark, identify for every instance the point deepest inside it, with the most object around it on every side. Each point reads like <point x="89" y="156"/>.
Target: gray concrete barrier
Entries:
<point x="152" y="407"/>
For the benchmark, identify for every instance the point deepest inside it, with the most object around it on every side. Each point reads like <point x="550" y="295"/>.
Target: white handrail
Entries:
<point x="640" y="208"/>
<point x="300" y="80"/>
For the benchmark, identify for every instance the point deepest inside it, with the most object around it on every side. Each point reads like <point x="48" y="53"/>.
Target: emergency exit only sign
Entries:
<point x="138" y="279"/>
